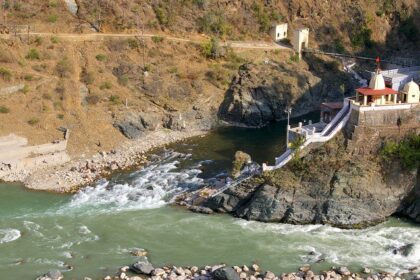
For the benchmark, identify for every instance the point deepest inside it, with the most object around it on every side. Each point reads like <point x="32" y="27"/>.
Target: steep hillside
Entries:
<point x="99" y="88"/>
<point x="355" y="25"/>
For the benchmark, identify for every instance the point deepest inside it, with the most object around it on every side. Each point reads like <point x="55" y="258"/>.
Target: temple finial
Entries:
<point x="378" y="65"/>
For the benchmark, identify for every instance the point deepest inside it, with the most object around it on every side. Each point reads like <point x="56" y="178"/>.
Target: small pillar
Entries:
<point x="364" y="100"/>
<point x="300" y="124"/>
<point x="67" y="134"/>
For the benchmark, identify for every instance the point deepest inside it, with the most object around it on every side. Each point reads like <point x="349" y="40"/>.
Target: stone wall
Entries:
<point x="366" y="131"/>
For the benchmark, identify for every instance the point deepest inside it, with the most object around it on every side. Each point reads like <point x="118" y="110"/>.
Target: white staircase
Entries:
<point x="325" y="135"/>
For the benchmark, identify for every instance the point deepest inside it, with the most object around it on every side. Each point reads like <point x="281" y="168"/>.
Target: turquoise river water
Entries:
<point x="92" y="232"/>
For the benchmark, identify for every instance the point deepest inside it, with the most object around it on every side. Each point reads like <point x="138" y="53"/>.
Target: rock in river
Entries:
<point x="51" y="275"/>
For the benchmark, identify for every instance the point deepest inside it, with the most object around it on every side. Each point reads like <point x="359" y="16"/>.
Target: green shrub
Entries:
<point x="173" y="70"/>
<point x="262" y="17"/>
<point x="38" y="40"/>
<point x="25" y="89"/>
<point x="114" y="99"/>
<point x="123" y="80"/>
<point x="162" y="16"/>
<point x="55" y="40"/>
<point x="52" y="18"/>
<point x="214" y="23"/>
<point x="146" y="68"/>
<point x="33" y="54"/>
<point x="133" y="43"/>
<point x="53" y="3"/>
<point x="4" y="110"/>
<point x="338" y="46"/>
<point x="211" y="49"/>
<point x="6" y="74"/>
<point x="101" y="57"/>
<point x="106" y="85"/>
<point x="28" y="77"/>
<point x="361" y="37"/>
<point x="294" y="57"/>
<point x="60" y="116"/>
<point x="407" y="151"/>
<point x="157" y="39"/>
<point x="199" y="3"/>
<point x="33" y="121"/>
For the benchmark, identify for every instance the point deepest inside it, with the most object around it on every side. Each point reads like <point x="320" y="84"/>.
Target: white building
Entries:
<point x="280" y="32"/>
<point x="410" y="93"/>
<point x="301" y="40"/>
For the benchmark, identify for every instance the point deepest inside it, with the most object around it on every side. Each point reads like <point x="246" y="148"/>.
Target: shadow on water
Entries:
<point x="216" y="150"/>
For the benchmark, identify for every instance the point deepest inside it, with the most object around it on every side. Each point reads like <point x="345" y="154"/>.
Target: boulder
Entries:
<point x="344" y="271"/>
<point x="404" y="250"/>
<point x="241" y="159"/>
<point x="225" y="273"/>
<point x="142" y="267"/>
<point x="51" y="275"/>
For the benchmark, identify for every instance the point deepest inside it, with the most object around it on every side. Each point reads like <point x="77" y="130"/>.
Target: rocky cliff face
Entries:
<point x="327" y="186"/>
<point x="259" y="94"/>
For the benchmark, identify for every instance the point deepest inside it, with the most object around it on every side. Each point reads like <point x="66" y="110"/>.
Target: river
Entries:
<point x="91" y="233"/>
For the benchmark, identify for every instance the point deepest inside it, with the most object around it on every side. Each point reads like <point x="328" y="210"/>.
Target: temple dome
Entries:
<point x="377" y="82"/>
<point x="411" y="88"/>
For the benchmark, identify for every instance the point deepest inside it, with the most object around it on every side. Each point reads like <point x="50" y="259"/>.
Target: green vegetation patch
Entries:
<point x="33" y="121"/>
<point x="211" y="49"/>
<point x="52" y="18"/>
<point x="157" y="39"/>
<point x="214" y="23"/>
<point x="361" y="37"/>
<point x="101" y="57"/>
<point x="407" y="151"/>
<point x="5" y="73"/>
<point x="105" y="85"/>
<point x="33" y="54"/>
<point x="4" y="110"/>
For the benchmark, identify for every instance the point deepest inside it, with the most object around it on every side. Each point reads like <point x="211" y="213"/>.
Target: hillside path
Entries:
<point x="102" y="36"/>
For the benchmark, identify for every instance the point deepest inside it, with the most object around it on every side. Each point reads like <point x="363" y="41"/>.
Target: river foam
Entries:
<point x="149" y="188"/>
<point x="8" y="235"/>
<point x="371" y="247"/>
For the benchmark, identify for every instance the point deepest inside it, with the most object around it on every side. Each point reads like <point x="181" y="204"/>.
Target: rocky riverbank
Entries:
<point x="143" y="270"/>
<point x="85" y="170"/>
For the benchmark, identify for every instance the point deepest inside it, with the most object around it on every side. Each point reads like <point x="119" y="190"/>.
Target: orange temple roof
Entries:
<point x="376" y="92"/>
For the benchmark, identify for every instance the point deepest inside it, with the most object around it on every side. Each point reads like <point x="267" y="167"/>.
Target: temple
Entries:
<point x="376" y="107"/>
<point x="376" y="93"/>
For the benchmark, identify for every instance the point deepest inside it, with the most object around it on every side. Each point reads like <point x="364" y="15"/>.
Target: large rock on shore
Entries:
<point x="225" y="273"/>
<point x="142" y="267"/>
<point x="328" y="186"/>
<point x="259" y="94"/>
<point x="134" y="125"/>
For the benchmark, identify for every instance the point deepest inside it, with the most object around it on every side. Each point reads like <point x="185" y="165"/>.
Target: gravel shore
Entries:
<point x="84" y="171"/>
<point x="143" y="270"/>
